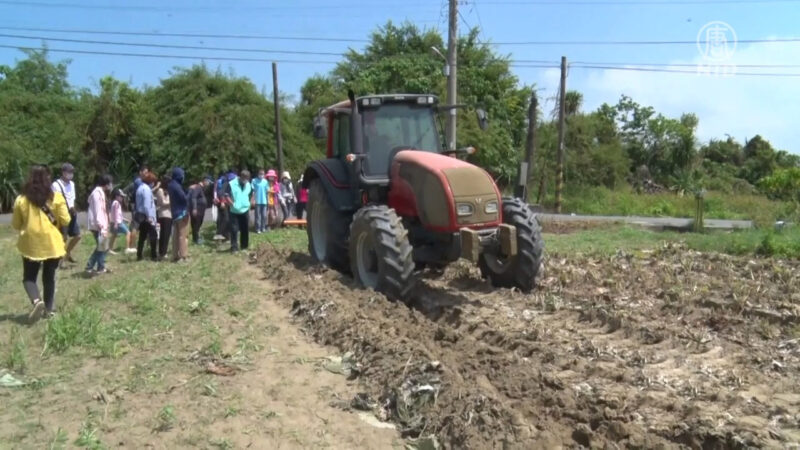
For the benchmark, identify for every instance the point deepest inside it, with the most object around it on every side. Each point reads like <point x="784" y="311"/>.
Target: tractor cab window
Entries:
<point x="393" y="127"/>
<point x="341" y="135"/>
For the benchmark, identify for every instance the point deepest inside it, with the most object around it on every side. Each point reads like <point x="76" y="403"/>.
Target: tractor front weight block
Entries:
<point x="507" y="235"/>
<point x="470" y="245"/>
<point x="501" y="241"/>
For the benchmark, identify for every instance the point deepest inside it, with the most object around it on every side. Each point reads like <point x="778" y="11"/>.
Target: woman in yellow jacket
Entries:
<point x="39" y="215"/>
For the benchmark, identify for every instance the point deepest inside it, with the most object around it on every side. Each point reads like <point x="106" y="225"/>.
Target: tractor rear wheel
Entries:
<point x="327" y="229"/>
<point x="381" y="257"/>
<point x="518" y="271"/>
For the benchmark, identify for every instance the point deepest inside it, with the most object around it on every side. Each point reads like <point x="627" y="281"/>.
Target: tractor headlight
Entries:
<point x="490" y="208"/>
<point x="464" y="209"/>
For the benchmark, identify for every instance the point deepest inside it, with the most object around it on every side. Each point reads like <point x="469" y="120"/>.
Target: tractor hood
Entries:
<point x="444" y="192"/>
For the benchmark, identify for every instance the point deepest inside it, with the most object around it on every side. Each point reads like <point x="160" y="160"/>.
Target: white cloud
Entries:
<point x="741" y="106"/>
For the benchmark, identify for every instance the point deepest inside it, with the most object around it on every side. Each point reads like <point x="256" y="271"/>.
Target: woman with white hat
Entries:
<point x="288" y="199"/>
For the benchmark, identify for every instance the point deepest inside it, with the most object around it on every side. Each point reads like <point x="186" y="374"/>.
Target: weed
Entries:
<point x="15" y="360"/>
<point x="79" y="326"/>
<point x="197" y="306"/>
<point x="222" y="444"/>
<point x="215" y="346"/>
<point x="59" y="441"/>
<point x="269" y="415"/>
<point x="165" y="420"/>
<point x="210" y="389"/>
<point x="231" y="411"/>
<point x="233" y="312"/>
<point x="87" y="436"/>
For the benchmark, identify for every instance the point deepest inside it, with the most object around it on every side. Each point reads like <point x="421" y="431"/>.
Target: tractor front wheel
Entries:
<point x="381" y="256"/>
<point x="327" y="229"/>
<point x="518" y="271"/>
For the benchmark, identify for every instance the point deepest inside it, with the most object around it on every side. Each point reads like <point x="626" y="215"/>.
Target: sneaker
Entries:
<point x="90" y="272"/>
<point x="37" y="312"/>
<point x="130" y="251"/>
<point x="103" y="271"/>
<point x="50" y="315"/>
<point x="112" y="252"/>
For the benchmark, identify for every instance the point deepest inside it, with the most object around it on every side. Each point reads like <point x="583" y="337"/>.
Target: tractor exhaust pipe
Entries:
<point x="356" y="136"/>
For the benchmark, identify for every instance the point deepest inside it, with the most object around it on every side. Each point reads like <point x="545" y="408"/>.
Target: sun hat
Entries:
<point x="285" y="174"/>
<point x="271" y="173"/>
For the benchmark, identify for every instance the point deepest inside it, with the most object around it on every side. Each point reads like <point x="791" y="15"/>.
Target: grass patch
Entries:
<point x="717" y="205"/>
<point x="783" y="244"/>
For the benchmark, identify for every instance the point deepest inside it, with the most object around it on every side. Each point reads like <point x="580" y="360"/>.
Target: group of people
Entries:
<point x="46" y="218"/>
<point x="272" y="201"/>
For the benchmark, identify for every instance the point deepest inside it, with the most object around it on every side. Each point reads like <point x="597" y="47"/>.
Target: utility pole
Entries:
<point x="276" y="102"/>
<point x="561" y="125"/>
<point x="452" y="60"/>
<point x="526" y="167"/>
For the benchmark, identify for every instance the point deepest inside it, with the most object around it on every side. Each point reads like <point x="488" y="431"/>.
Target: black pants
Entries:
<point x="197" y="223"/>
<point x="223" y="221"/>
<point x="239" y="224"/>
<point x="30" y="272"/>
<point x="163" y="240"/>
<point x="300" y="209"/>
<point x="147" y="232"/>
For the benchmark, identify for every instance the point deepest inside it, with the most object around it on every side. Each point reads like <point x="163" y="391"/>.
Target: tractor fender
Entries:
<point x="335" y="179"/>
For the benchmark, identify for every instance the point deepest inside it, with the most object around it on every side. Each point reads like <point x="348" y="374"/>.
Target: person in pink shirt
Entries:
<point x="118" y="223"/>
<point x="99" y="224"/>
<point x="302" y="199"/>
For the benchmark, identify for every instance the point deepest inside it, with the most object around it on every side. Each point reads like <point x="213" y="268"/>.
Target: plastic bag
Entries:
<point x="214" y="213"/>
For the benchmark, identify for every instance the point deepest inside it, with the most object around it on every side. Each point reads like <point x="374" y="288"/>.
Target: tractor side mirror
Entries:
<point x="483" y="119"/>
<point x="319" y="128"/>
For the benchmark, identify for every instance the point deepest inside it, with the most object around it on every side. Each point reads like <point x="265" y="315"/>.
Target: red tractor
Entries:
<point x="389" y="201"/>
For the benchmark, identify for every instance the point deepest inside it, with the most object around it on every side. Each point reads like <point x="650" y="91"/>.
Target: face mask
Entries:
<point x="260" y="176"/>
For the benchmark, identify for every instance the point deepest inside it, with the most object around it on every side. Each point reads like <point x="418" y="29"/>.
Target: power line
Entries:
<point x="630" y="2"/>
<point x="534" y="64"/>
<point x="185" y="47"/>
<point x="353" y="40"/>
<point x="161" y="8"/>
<point x="740" y="41"/>
<point x="760" y="66"/>
<point x="186" y="35"/>
<point x="159" y="55"/>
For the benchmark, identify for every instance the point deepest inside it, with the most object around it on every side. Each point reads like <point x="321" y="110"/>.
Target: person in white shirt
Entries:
<point x="66" y="187"/>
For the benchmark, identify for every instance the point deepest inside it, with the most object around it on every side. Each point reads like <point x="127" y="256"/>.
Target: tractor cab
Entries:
<point x="369" y="131"/>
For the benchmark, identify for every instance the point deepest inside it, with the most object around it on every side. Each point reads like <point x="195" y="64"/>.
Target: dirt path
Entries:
<point x="160" y="394"/>
<point x="669" y="349"/>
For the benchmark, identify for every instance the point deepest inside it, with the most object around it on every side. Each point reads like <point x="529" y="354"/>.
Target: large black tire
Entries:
<point x="521" y="270"/>
<point x="381" y="257"/>
<point x="327" y="229"/>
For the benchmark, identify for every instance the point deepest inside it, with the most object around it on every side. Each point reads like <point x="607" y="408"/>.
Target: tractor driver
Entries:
<point x="376" y="144"/>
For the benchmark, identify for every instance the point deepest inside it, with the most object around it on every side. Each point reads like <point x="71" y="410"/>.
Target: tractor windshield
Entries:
<point x="393" y="127"/>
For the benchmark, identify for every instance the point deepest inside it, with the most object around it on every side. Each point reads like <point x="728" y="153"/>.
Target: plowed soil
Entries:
<point x="666" y="349"/>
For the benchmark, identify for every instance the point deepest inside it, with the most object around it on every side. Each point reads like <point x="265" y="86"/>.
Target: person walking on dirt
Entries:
<point x="99" y="225"/>
<point x="39" y="214"/>
<point x="241" y="191"/>
<point x="164" y="217"/>
<point x="302" y="198"/>
<point x="288" y="199"/>
<point x="197" y="207"/>
<point x="118" y="222"/>
<point x="130" y="193"/>
<point x="180" y="216"/>
<point x="260" y="189"/>
<point x="66" y="187"/>
<point x="146" y="214"/>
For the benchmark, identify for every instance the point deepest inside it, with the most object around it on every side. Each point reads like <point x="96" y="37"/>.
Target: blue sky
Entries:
<point x="738" y="105"/>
